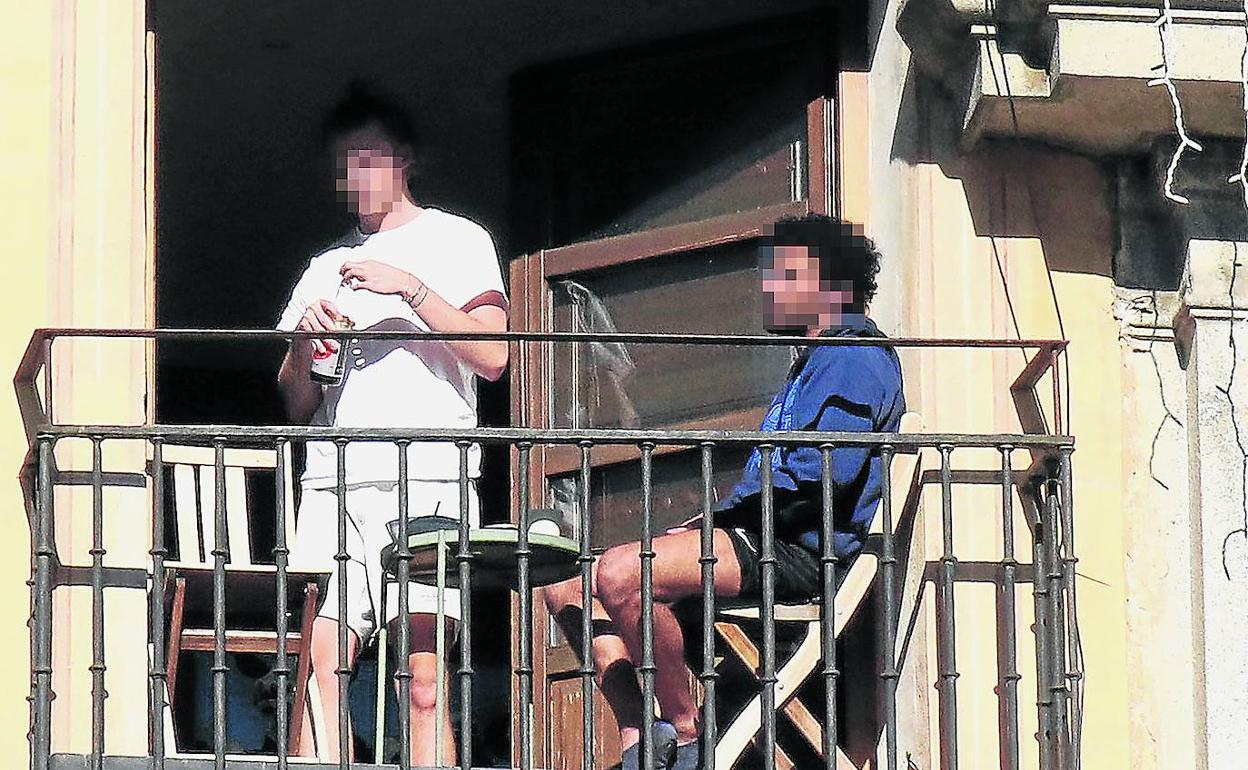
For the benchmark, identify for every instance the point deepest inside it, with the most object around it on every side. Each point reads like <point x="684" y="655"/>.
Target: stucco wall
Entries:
<point x="958" y="227"/>
<point x="75" y="245"/>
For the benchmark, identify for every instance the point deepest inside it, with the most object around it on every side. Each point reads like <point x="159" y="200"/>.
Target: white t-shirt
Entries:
<point x="400" y="383"/>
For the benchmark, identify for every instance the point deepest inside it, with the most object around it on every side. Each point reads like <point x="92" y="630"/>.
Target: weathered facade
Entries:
<point x="1014" y="161"/>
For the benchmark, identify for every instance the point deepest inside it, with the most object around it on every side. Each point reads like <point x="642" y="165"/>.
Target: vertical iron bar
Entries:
<point x="586" y="560"/>
<point x="403" y="574"/>
<point x="1057" y="657"/>
<point x="888" y="575"/>
<point x="281" y="560"/>
<point x="220" y="553"/>
<point x="828" y="562"/>
<point x="98" y="694"/>
<point x="948" y="654"/>
<point x="1057" y="391"/>
<point x="343" y="672"/>
<point x="646" y="555"/>
<point x="767" y="567"/>
<point x="524" y="672"/>
<point x="709" y="726"/>
<point x="1074" y="672"/>
<point x="41" y="644"/>
<point x="464" y="557"/>
<point x="1042" y="628"/>
<point x="157" y="611"/>
<point x="1009" y="573"/>
<point x="441" y="686"/>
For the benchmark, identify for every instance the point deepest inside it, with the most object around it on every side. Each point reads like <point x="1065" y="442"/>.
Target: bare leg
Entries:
<point x="324" y="669"/>
<point x="615" y="674"/>
<point x="677" y="574"/>
<point x="307" y="739"/>
<point x="422" y="696"/>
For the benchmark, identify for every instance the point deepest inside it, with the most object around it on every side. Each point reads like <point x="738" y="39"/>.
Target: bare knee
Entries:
<point x="619" y="577"/>
<point x="423" y="692"/>
<point x="561" y="596"/>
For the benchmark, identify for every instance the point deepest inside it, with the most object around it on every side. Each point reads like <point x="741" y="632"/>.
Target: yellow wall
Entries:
<point x="25" y="197"/>
<point x="950" y="225"/>
<point x="75" y="249"/>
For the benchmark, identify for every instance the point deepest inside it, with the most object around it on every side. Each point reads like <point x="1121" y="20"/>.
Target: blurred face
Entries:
<point x="797" y="298"/>
<point x="369" y="171"/>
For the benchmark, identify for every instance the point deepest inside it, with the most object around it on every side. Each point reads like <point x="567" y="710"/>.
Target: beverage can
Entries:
<point x="329" y="367"/>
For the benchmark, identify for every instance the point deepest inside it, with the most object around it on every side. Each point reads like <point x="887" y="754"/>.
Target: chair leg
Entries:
<point x="173" y="646"/>
<point x="845" y="763"/>
<point x="744" y="729"/>
<point x="304" y="668"/>
<point x="806" y="724"/>
<point x="379" y="734"/>
<point x="733" y="741"/>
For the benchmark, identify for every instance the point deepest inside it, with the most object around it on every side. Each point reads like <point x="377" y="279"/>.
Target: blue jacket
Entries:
<point x="829" y="388"/>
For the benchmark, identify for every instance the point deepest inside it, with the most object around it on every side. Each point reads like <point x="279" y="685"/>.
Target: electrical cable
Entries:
<point x="1165" y="28"/>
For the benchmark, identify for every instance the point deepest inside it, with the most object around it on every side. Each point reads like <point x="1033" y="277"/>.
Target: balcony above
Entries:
<point x="1080" y="75"/>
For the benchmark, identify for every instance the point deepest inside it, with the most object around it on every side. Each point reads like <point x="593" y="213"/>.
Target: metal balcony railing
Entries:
<point x="1044" y="488"/>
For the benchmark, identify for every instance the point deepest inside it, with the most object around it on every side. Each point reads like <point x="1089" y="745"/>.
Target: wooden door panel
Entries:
<point x="567" y="722"/>
<point x="643" y="182"/>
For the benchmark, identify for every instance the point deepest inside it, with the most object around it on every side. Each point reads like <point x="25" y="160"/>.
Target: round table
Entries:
<point x="494" y="564"/>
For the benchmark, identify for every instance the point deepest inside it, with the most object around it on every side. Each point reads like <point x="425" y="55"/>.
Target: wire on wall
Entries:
<point x="1242" y="180"/>
<point x="1165" y="30"/>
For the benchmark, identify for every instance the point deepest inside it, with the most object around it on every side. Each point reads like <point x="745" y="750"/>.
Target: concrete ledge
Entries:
<point x="1094" y="95"/>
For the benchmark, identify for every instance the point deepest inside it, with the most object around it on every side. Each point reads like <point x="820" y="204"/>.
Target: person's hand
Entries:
<point x="320" y="317"/>
<point x="380" y="278"/>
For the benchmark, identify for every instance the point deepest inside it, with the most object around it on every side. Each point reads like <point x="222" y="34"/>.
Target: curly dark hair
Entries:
<point x="363" y="106"/>
<point x="844" y="253"/>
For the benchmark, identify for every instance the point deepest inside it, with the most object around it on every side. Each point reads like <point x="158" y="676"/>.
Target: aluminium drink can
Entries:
<point x="330" y="367"/>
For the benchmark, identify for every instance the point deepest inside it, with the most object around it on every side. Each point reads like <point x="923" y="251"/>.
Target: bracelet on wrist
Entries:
<point x="415" y="298"/>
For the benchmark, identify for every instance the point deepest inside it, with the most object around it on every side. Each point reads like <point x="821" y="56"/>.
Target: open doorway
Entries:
<point x="245" y="195"/>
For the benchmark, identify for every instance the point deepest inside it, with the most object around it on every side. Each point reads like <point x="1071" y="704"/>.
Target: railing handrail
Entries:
<point x="663" y="338"/>
<point x="1044" y="357"/>
<point x="668" y="437"/>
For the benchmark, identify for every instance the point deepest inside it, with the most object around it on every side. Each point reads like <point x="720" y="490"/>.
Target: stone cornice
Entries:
<point x="1215" y="276"/>
<point x="1145" y="317"/>
<point x="1078" y="74"/>
<point x="1214" y="288"/>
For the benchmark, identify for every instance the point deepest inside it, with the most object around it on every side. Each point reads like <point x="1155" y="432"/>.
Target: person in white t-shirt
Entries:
<point x="416" y="268"/>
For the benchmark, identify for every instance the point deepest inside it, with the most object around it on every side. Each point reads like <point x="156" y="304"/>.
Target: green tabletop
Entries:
<point x="552" y="558"/>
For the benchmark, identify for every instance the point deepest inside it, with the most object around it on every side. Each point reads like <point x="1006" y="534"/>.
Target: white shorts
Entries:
<point x="369" y="508"/>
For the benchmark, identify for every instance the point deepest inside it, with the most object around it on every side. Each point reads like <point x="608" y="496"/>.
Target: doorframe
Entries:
<point x="533" y="303"/>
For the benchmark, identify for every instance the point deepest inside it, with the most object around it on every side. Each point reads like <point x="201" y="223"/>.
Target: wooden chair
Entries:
<point x="250" y="577"/>
<point x="852" y="594"/>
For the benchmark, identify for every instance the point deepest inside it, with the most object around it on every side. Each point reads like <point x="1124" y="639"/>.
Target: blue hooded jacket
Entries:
<point x="829" y="388"/>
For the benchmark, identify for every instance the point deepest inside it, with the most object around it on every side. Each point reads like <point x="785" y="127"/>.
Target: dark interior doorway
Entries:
<point x="245" y="197"/>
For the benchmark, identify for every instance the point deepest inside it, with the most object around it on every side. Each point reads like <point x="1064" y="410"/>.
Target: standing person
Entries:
<point x="818" y="278"/>
<point x="414" y="268"/>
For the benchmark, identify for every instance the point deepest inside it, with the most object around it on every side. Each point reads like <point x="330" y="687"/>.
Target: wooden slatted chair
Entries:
<point x="250" y="576"/>
<point x="852" y="594"/>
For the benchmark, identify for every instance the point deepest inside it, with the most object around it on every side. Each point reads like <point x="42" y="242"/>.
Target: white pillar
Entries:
<point x="1215" y="305"/>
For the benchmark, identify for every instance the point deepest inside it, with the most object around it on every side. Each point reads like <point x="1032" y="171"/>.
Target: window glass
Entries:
<point x="600" y="385"/>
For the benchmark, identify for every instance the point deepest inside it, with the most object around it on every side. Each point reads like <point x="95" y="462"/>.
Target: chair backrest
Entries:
<point x="190" y="500"/>
<point x="903" y="480"/>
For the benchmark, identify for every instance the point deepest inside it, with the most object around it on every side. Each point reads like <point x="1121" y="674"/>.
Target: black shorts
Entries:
<point x="797" y="572"/>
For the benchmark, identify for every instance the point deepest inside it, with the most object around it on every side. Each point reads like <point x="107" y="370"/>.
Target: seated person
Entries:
<point x="818" y="277"/>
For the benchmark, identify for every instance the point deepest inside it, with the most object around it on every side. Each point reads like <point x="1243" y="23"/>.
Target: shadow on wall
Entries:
<point x="1014" y="188"/>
